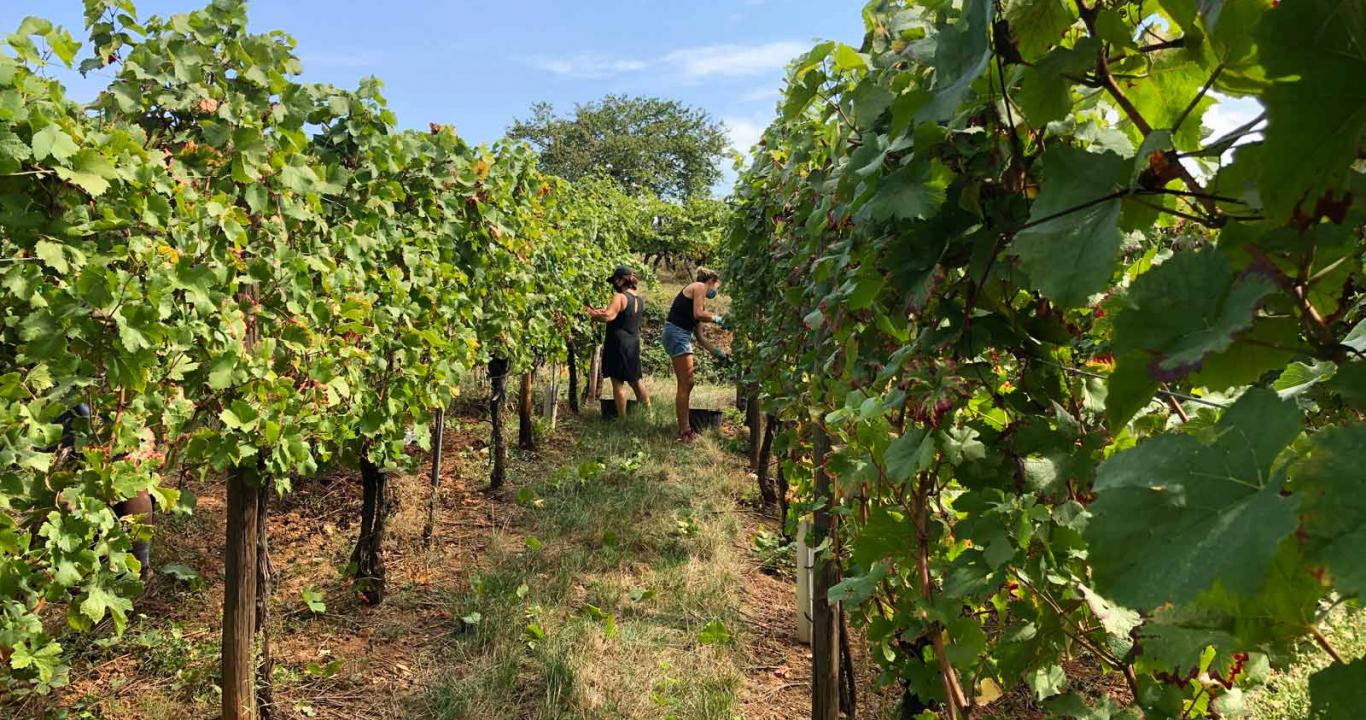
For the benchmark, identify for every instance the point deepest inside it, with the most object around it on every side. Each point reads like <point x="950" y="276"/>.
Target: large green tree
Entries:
<point x="643" y="143"/>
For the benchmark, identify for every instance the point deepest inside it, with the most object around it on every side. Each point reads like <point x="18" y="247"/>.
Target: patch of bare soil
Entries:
<point x="778" y="668"/>
<point x="349" y="660"/>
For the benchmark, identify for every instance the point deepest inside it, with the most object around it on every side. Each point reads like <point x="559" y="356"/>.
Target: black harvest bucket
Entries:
<point x="704" y="419"/>
<point x="609" y="407"/>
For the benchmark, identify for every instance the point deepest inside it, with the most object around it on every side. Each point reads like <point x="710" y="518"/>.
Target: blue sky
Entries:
<point x="477" y="64"/>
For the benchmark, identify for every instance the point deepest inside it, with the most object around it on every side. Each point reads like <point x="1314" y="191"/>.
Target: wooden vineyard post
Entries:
<point x="573" y="378"/>
<point x="239" y="594"/>
<point x="265" y="572"/>
<point x="593" y="390"/>
<point x="498" y="375"/>
<point x="240" y="564"/>
<point x="825" y="645"/>
<point x="551" y="405"/>
<point x="754" y="421"/>
<point x="526" y="432"/>
<point x="438" y="435"/>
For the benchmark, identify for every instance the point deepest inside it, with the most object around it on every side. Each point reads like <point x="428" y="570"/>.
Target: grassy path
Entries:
<point x="625" y="590"/>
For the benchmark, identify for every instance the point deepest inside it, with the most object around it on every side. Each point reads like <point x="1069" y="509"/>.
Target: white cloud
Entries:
<point x="744" y="132"/>
<point x="588" y="65"/>
<point x="767" y="93"/>
<point x="705" y="61"/>
<point x="1229" y="114"/>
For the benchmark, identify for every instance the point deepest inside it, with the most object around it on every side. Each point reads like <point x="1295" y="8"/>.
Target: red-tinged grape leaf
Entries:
<point x="1338" y="692"/>
<point x="1173" y="515"/>
<point x="1072" y="251"/>
<point x="1332" y="481"/>
<point x="1315" y="121"/>
<point x="1186" y="309"/>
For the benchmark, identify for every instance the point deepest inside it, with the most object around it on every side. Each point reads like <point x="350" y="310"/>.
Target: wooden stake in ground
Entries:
<point x="498" y="375"/>
<point x="438" y="435"/>
<point x="240" y="566"/>
<point x="825" y="659"/>
<point x="265" y="573"/>
<point x="595" y="374"/>
<point x="239" y="594"/>
<point x="526" y="432"/>
<point x="573" y="378"/>
<point x="551" y="405"/>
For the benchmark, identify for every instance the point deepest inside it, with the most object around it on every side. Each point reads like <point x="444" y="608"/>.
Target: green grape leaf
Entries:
<point x="98" y="601"/>
<point x="1071" y="248"/>
<point x="856" y="590"/>
<point x="1338" y="692"/>
<point x="847" y="58"/>
<point x="886" y="534"/>
<point x="1298" y="377"/>
<point x="46" y="660"/>
<point x="89" y="171"/>
<point x="1045" y="682"/>
<point x="1037" y="25"/>
<point x="1177" y="639"/>
<point x="870" y="101"/>
<point x="1315" y="121"/>
<point x="1128" y="389"/>
<point x="1171" y="84"/>
<point x="1269" y="344"/>
<point x="1350" y="383"/>
<point x="962" y="53"/>
<point x="52" y="141"/>
<point x="909" y="454"/>
<point x="1043" y="96"/>
<point x="1331" y="479"/>
<point x="1187" y="309"/>
<point x="1174" y="515"/>
<point x="714" y="633"/>
<point x="914" y="191"/>
<point x="1116" y="620"/>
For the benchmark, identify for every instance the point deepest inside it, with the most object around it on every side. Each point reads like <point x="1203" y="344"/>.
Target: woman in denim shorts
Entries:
<point x="686" y="315"/>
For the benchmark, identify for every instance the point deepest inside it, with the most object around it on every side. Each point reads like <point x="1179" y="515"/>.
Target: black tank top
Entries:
<point x="628" y="320"/>
<point x="680" y="313"/>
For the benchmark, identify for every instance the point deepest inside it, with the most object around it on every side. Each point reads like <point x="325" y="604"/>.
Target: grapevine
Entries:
<point x="239" y="274"/>
<point x="1083" y="379"/>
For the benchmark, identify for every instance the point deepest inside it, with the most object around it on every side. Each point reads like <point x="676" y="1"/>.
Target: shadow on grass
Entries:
<point x="592" y="608"/>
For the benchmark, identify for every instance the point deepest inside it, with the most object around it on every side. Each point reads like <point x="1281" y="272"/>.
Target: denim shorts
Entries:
<point x="677" y="341"/>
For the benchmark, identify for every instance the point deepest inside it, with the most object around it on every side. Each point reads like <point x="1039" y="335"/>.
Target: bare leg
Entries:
<point x="619" y="396"/>
<point x="682" y="398"/>
<point x="642" y="394"/>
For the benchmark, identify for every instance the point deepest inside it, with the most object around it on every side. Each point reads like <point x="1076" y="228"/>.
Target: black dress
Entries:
<point x="621" y="351"/>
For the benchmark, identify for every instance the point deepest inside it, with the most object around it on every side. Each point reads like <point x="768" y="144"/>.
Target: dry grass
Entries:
<point x="592" y="577"/>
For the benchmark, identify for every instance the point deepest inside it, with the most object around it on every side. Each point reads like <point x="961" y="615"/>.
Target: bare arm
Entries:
<point x="699" y="303"/>
<point x="702" y="341"/>
<point x="609" y="313"/>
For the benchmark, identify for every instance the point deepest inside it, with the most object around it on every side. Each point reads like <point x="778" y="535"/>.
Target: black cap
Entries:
<point x="621" y="272"/>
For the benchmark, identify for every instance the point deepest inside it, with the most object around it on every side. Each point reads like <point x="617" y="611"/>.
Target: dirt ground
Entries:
<point x="353" y="660"/>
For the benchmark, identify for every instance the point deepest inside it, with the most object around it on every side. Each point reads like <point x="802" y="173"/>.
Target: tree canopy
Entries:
<point x="643" y="143"/>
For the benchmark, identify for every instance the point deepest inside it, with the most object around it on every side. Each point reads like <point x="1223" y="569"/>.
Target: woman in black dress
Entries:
<point x="621" y="351"/>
